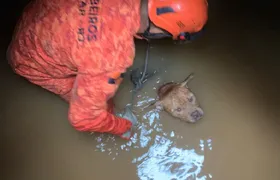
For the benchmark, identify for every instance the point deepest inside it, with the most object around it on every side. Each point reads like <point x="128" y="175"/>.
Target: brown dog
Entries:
<point x="179" y="101"/>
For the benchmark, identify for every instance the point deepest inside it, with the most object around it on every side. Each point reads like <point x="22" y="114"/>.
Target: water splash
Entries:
<point x="172" y="134"/>
<point x="146" y="101"/>
<point x="163" y="160"/>
<point x="140" y="139"/>
<point x="207" y="143"/>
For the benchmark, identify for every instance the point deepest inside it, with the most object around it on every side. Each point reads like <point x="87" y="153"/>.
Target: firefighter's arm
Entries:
<point x="89" y="107"/>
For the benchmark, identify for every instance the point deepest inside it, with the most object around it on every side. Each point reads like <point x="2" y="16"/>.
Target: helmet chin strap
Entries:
<point x="149" y="36"/>
<point x="182" y="37"/>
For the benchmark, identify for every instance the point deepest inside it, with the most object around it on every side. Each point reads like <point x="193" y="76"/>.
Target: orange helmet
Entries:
<point x="178" y="16"/>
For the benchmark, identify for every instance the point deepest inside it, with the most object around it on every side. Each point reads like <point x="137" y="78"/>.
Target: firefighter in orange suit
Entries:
<point x="79" y="50"/>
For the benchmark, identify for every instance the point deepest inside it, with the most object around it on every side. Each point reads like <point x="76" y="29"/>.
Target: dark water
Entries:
<point x="236" y="66"/>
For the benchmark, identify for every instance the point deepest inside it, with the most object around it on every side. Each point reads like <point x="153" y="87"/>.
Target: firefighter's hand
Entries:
<point x="128" y="114"/>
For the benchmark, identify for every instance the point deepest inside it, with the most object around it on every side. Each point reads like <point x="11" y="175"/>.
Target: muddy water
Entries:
<point x="236" y="82"/>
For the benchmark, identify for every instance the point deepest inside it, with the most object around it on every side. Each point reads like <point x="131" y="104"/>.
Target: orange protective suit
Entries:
<point x="78" y="49"/>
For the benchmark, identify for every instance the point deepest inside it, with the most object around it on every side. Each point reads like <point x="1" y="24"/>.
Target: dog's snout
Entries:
<point x="196" y="115"/>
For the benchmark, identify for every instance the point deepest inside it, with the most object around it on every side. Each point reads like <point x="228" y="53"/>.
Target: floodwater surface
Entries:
<point x="235" y="82"/>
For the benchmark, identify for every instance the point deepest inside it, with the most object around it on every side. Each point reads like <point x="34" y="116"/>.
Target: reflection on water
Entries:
<point x="208" y="144"/>
<point x="145" y="101"/>
<point x="164" y="160"/>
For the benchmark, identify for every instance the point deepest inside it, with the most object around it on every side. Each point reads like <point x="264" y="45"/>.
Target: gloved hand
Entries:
<point x="128" y="114"/>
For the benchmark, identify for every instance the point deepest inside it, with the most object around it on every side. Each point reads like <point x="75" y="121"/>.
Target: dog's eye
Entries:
<point x="190" y="99"/>
<point x="178" y="109"/>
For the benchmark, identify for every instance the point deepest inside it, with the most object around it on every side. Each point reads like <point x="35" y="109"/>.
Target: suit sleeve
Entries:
<point x="89" y="109"/>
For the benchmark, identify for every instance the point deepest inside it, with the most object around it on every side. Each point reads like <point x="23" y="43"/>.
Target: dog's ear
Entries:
<point x="165" y="89"/>
<point x="187" y="80"/>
